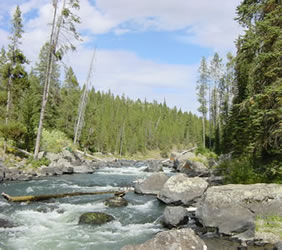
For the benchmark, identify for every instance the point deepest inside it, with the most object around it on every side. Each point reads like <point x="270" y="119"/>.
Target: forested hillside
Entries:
<point x="242" y="99"/>
<point x="113" y="124"/>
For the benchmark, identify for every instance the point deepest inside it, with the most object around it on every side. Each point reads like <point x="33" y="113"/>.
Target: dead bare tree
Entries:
<point x="66" y="22"/>
<point x="83" y="102"/>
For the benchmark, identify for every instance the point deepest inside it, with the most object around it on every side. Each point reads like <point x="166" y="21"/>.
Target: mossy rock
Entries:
<point x="95" y="218"/>
<point x="116" y="202"/>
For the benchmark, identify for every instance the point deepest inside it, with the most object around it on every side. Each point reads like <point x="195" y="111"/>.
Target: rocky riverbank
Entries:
<point x="196" y="198"/>
<point x="194" y="195"/>
<point x="68" y="162"/>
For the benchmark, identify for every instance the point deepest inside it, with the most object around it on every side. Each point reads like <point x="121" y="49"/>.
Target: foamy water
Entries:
<point x="54" y="225"/>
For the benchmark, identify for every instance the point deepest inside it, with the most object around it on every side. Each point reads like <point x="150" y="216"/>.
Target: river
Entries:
<point x="54" y="224"/>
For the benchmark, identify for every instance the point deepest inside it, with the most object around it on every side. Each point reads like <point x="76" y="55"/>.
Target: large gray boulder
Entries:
<point x="232" y="208"/>
<point x="175" y="216"/>
<point x="193" y="169"/>
<point x="48" y="171"/>
<point x="52" y="156"/>
<point x="83" y="169"/>
<point x="12" y="174"/>
<point x="154" y="166"/>
<point x="182" y="239"/>
<point x="180" y="189"/>
<point x="2" y="172"/>
<point x="151" y="185"/>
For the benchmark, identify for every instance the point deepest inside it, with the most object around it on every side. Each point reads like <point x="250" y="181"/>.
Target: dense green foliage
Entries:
<point x="245" y="110"/>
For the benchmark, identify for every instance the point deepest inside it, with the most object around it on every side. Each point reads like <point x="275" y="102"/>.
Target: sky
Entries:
<point x="144" y="48"/>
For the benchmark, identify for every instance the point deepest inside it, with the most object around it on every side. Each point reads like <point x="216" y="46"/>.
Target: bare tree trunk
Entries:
<point x="204" y="131"/>
<point x="210" y="128"/>
<point x="83" y="102"/>
<point x="29" y="198"/>
<point x="52" y="48"/>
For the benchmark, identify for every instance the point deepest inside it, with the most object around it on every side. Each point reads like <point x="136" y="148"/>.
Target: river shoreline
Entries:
<point x="151" y="167"/>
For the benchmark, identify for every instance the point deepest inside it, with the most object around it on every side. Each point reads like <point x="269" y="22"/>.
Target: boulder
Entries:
<point x="67" y="155"/>
<point x="49" y="171"/>
<point x="151" y="185"/>
<point x="232" y="208"/>
<point x="83" y="169"/>
<point x="12" y="174"/>
<point x="2" y="173"/>
<point x="154" y="166"/>
<point x="175" y="216"/>
<point x="116" y="201"/>
<point x="193" y="169"/>
<point x="278" y="246"/>
<point x="52" y="156"/>
<point x="180" y="189"/>
<point x="182" y="239"/>
<point x="41" y="155"/>
<point x="95" y="218"/>
<point x="62" y="162"/>
<point x="181" y="158"/>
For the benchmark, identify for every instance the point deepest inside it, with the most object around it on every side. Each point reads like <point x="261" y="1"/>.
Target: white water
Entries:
<point x="54" y="225"/>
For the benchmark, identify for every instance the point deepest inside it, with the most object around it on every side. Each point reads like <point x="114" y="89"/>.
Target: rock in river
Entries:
<point x="233" y="208"/>
<point x="151" y="185"/>
<point x="180" y="189"/>
<point x="95" y="218"/>
<point x="175" y="216"/>
<point x="182" y="239"/>
<point x="116" y="201"/>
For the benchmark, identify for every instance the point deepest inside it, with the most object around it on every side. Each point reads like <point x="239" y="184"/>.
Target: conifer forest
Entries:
<point x="239" y="100"/>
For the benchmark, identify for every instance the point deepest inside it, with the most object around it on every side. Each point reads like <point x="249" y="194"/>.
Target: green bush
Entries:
<point x="239" y="171"/>
<point x="36" y="163"/>
<point x="206" y="152"/>
<point x="54" y="141"/>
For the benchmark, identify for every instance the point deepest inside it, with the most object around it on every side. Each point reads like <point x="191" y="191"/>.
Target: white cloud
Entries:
<point x="206" y="23"/>
<point x="124" y="72"/>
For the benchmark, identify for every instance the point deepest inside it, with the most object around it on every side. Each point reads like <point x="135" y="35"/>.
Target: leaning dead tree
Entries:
<point x="83" y="101"/>
<point x="29" y="198"/>
<point x="62" y="26"/>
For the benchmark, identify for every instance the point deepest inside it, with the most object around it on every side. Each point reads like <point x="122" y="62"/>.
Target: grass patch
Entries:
<point x="270" y="224"/>
<point x="36" y="163"/>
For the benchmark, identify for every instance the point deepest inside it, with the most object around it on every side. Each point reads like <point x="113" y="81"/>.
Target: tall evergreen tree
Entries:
<point x="202" y="94"/>
<point x="255" y="122"/>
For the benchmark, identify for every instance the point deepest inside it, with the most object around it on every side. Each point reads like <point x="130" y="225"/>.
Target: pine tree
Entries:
<point x="14" y="77"/>
<point x="255" y="122"/>
<point x="202" y="95"/>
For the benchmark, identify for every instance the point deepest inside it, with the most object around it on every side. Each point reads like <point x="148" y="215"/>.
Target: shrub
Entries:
<point x="54" y="141"/>
<point x="239" y="171"/>
<point x="206" y="152"/>
<point x="36" y="163"/>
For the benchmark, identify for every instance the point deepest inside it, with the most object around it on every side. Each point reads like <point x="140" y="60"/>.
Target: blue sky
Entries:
<point x="145" y="49"/>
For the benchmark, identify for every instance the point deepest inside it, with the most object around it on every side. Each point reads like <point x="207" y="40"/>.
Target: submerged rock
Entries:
<point x="180" y="189"/>
<point x="182" y="239"/>
<point x="116" y="201"/>
<point x="175" y="216"/>
<point x="151" y="185"/>
<point x="4" y="223"/>
<point x="232" y="208"/>
<point x="95" y="218"/>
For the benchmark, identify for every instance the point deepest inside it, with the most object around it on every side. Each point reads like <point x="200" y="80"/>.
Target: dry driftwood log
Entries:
<point x="29" y="198"/>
